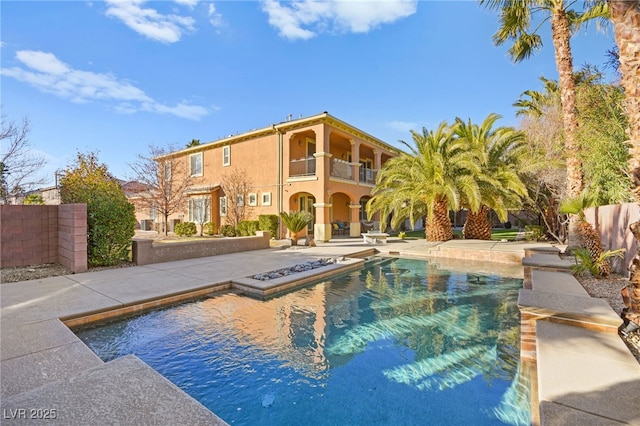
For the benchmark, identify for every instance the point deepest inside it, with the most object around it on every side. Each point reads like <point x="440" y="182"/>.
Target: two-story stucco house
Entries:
<point x="319" y="164"/>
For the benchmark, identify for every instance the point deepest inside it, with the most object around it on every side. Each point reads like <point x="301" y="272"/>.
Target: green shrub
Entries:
<point x="209" y="228"/>
<point x="268" y="222"/>
<point x="110" y="226"/>
<point x="584" y="263"/>
<point x="185" y="229"/>
<point x="111" y="218"/>
<point x="533" y="232"/>
<point x="247" y="228"/>
<point x="228" y="231"/>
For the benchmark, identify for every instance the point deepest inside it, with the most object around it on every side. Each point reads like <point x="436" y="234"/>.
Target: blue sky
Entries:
<point x="115" y="77"/>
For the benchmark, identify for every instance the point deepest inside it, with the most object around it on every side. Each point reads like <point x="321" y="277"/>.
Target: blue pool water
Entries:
<point x="397" y="342"/>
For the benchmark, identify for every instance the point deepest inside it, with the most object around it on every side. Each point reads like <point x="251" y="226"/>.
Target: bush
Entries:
<point x="228" y="231"/>
<point x="247" y="228"/>
<point x="268" y="222"/>
<point x="111" y="218"/>
<point x="209" y="228"/>
<point x="533" y="232"/>
<point x="185" y="229"/>
<point x="110" y="226"/>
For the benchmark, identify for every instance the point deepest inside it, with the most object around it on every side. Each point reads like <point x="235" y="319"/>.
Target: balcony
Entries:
<point x="302" y="167"/>
<point x="368" y="176"/>
<point x="341" y="169"/>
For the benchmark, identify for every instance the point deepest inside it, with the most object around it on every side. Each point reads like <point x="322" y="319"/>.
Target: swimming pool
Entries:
<point x="397" y="342"/>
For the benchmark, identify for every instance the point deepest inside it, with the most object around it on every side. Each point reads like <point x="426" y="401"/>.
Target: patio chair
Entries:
<point x="343" y="226"/>
<point x="336" y="229"/>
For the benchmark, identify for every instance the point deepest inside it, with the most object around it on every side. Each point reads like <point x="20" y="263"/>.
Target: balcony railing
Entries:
<point x="341" y="169"/>
<point x="302" y="167"/>
<point x="368" y="176"/>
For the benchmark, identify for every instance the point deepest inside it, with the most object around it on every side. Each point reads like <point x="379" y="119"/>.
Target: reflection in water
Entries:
<point x="352" y="350"/>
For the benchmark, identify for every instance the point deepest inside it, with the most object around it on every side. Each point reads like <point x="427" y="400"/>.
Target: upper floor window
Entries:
<point x="226" y="155"/>
<point x="195" y="163"/>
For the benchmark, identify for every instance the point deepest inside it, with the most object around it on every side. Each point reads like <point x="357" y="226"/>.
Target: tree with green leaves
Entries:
<point x="110" y="217"/>
<point x="33" y="199"/>
<point x="501" y="154"/>
<point x="432" y="179"/>
<point x="296" y="222"/>
<point x="601" y="136"/>
<point x="516" y="18"/>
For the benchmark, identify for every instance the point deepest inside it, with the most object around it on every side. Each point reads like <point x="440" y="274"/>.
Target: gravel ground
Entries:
<point x="607" y="288"/>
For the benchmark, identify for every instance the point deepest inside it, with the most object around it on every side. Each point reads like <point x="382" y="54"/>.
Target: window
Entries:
<point x="226" y="155"/>
<point x="253" y="199"/>
<point x="199" y="209"/>
<point x="195" y="161"/>
<point x="266" y="198"/>
<point x="223" y="206"/>
<point x="240" y="200"/>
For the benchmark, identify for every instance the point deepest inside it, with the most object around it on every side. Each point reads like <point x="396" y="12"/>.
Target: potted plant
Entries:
<point x="295" y="222"/>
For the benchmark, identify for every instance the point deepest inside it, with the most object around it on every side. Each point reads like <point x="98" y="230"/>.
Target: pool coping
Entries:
<point x="39" y="348"/>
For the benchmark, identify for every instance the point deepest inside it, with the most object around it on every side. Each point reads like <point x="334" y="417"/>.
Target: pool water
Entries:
<point x="397" y="342"/>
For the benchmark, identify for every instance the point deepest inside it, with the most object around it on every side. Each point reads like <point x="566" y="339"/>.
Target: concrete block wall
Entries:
<point x="36" y="235"/>
<point x="72" y="236"/>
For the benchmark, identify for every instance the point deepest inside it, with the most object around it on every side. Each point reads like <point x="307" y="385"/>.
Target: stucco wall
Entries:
<point x="612" y="223"/>
<point x="146" y="252"/>
<point x="36" y="235"/>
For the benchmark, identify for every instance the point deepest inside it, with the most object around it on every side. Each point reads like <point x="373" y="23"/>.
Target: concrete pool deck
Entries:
<point x="48" y="375"/>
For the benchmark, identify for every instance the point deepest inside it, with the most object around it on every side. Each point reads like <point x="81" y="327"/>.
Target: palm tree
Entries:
<point x="430" y="180"/>
<point x="590" y="238"/>
<point x="296" y="222"/>
<point x="625" y="15"/>
<point x="515" y="25"/>
<point x="501" y="188"/>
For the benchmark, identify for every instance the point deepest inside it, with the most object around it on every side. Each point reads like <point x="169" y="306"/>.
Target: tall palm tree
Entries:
<point x="625" y="15"/>
<point x="500" y="152"/>
<point x="516" y="26"/>
<point x="431" y="179"/>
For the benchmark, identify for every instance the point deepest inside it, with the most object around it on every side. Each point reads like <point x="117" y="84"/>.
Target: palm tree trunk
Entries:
<point x="625" y="15"/>
<point x="438" y="226"/>
<point x="561" y="34"/>
<point x="477" y="225"/>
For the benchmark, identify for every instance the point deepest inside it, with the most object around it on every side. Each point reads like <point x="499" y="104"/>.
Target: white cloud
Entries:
<point x="189" y="3"/>
<point x="304" y="19"/>
<point x="50" y="75"/>
<point x="148" y="22"/>
<point x="215" y="18"/>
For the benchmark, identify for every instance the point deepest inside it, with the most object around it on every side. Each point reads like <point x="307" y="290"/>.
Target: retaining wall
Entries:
<point x="40" y="234"/>
<point x="146" y="251"/>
